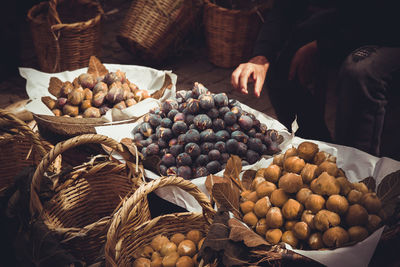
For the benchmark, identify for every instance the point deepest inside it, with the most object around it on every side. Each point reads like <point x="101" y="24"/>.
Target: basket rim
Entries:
<point x="209" y="4"/>
<point x="80" y="24"/>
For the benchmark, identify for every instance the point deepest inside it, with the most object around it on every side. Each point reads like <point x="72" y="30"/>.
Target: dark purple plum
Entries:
<point x="152" y="149"/>
<point x="143" y="143"/>
<point x="183" y="159"/>
<point x="173" y="170"/>
<point x="222" y="135"/>
<point x="233" y="103"/>
<point x="220" y="146"/>
<point x="206" y="147"/>
<point x="168" y="160"/>
<point x="206" y="101"/>
<point x="137" y="137"/>
<point x="245" y="163"/>
<point x="181" y="139"/>
<point x="179" y="117"/>
<point x="192" y="136"/>
<point x="233" y="128"/>
<point x="179" y="100"/>
<point x="245" y="122"/>
<point x="252" y="132"/>
<point x="221" y="100"/>
<point x="193" y="106"/>
<point x="274" y="148"/>
<point x="230" y="118"/>
<point x="237" y="110"/>
<point x="264" y="150"/>
<point x="255" y="144"/>
<point x="155" y="120"/>
<point x="240" y="136"/>
<point x="259" y="136"/>
<point x="146" y="118"/>
<point x="202" y="122"/>
<point x="213" y="113"/>
<point x="163" y="152"/>
<point x="263" y="128"/>
<point x="199" y="89"/>
<point x="223" y="166"/>
<point x="153" y="137"/>
<point x="275" y="136"/>
<point x="182" y="107"/>
<point x="207" y="135"/>
<point x="213" y="167"/>
<point x="202" y="160"/>
<point x="185" y="172"/>
<point x="218" y="124"/>
<point x="181" y="93"/>
<point x="242" y="149"/>
<point x="252" y="156"/>
<point x="162" y="144"/>
<point x="145" y="129"/>
<point x="189" y="119"/>
<point x="164" y="134"/>
<point x="193" y="150"/>
<point x="179" y="127"/>
<point x="232" y="146"/>
<point x="173" y="142"/>
<point x="136" y="129"/>
<point x="222" y="111"/>
<point x="224" y="157"/>
<point x="175" y="150"/>
<point x="168" y="105"/>
<point x="172" y="113"/>
<point x="192" y="126"/>
<point x="165" y="122"/>
<point x="200" y="172"/>
<point x="214" y="155"/>
<point x="143" y="151"/>
<point x="163" y="170"/>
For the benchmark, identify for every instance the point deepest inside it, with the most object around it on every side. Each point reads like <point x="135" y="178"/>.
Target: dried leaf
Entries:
<point x="370" y="183"/>
<point x="389" y="191"/>
<point x="211" y="180"/>
<point x="247" y="178"/>
<point x="241" y="232"/>
<point x="233" y="169"/>
<point x="55" y="85"/>
<point x="227" y="196"/>
<point x="96" y="68"/>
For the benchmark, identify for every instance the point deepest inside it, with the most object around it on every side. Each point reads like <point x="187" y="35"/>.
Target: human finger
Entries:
<point x="244" y="79"/>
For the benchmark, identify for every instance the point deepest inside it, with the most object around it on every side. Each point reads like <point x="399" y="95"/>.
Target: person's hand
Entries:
<point x="253" y="71"/>
<point x="304" y="64"/>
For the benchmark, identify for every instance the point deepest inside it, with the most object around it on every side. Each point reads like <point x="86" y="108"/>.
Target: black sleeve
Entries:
<point x="278" y="22"/>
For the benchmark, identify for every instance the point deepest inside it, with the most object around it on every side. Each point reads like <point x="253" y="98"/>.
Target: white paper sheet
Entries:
<point x="37" y="84"/>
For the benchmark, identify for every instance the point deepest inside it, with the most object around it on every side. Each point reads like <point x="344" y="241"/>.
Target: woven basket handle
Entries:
<point x="125" y="214"/>
<point x="11" y="119"/>
<point x="35" y="204"/>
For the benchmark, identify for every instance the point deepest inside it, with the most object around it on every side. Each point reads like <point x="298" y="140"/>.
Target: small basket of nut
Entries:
<point x="19" y="147"/>
<point x="304" y="200"/>
<point x="85" y="196"/>
<point x="96" y="97"/>
<point x="167" y="240"/>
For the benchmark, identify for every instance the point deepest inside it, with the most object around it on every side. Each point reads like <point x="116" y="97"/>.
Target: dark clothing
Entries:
<point x="365" y="83"/>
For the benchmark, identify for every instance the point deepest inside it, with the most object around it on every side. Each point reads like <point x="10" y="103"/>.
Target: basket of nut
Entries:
<point x="95" y="97"/>
<point x="302" y="208"/>
<point x="167" y="240"/>
<point x="83" y="198"/>
<point x="19" y="147"/>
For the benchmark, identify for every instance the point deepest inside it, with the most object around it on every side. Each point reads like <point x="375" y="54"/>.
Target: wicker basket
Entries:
<point x="19" y="147"/>
<point x="125" y="237"/>
<point x="154" y="29"/>
<point x="231" y="34"/>
<point x="86" y="196"/>
<point x="65" y="33"/>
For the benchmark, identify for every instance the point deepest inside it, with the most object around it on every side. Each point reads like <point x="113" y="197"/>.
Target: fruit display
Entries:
<point x="92" y="94"/>
<point x="178" y="250"/>
<point x="195" y="134"/>
<point x="305" y="200"/>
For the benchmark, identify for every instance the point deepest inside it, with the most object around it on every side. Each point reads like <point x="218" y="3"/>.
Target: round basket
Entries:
<point x="19" y="147"/>
<point x="125" y="238"/>
<point x="65" y="33"/>
<point x="231" y="34"/>
<point x="86" y="196"/>
<point x="153" y="29"/>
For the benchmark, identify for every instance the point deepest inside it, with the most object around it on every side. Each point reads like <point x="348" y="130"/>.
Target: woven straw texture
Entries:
<point x="154" y="29"/>
<point x="65" y="33"/>
<point x="230" y="34"/>
<point x="19" y="147"/>
<point x="86" y="196"/>
<point x="125" y="238"/>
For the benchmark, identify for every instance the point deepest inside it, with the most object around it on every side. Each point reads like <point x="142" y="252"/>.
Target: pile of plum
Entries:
<point x="195" y="134"/>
